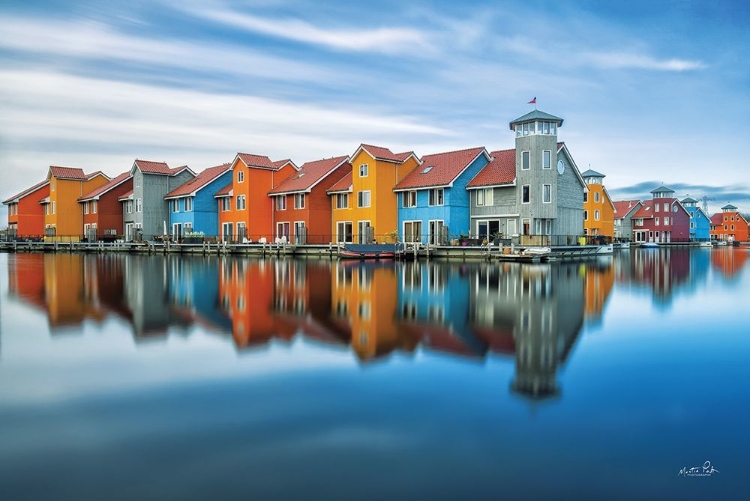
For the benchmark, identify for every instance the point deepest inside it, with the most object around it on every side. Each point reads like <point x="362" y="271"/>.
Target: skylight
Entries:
<point x="427" y="169"/>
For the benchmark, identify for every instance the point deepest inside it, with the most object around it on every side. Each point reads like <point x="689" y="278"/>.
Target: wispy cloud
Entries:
<point x="738" y="194"/>
<point x="388" y="40"/>
<point x="624" y="60"/>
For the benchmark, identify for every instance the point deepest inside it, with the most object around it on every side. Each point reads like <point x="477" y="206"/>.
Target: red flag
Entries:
<point x="533" y="101"/>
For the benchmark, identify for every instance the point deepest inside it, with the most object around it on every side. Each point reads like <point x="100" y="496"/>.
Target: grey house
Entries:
<point x="534" y="191"/>
<point x="624" y="210"/>
<point x="145" y="212"/>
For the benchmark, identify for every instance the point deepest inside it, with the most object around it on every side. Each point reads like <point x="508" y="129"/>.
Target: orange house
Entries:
<point x="302" y="209"/>
<point x="364" y="206"/>
<point x="25" y="211"/>
<point x="245" y="211"/>
<point x="63" y="214"/>
<point x="102" y="210"/>
<point x="598" y="208"/>
<point x="729" y="225"/>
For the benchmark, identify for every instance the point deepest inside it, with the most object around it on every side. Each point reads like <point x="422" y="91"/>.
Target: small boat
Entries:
<point x="705" y="244"/>
<point x="624" y="245"/>
<point x="720" y="243"/>
<point x="649" y="245"/>
<point x="372" y="251"/>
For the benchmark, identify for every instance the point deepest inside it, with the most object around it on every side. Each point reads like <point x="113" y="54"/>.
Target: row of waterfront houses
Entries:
<point x="534" y="191"/>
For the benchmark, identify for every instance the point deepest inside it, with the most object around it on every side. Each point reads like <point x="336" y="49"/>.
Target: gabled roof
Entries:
<point x="609" y="198"/>
<point x="561" y="146"/>
<point x="126" y="196"/>
<point x="197" y="183"/>
<point x="97" y="173"/>
<point x="28" y="191"/>
<point x="148" y="167"/>
<point x="441" y="169"/>
<point x="101" y="190"/>
<point x="662" y="189"/>
<point x="342" y="186"/>
<point x="646" y="211"/>
<point x="43" y="201"/>
<point x="309" y="175"/>
<point x="624" y="207"/>
<point x="262" y="162"/>
<point x="592" y="173"/>
<point x="66" y="173"/>
<point x="717" y="218"/>
<point x="536" y="115"/>
<point x="384" y="154"/>
<point x="500" y="171"/>
<point x="226" y="191"/>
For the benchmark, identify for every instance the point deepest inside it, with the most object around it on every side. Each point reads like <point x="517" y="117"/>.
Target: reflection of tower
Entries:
<point x="534" y="312"/>
<point x="599" y="279"/>
<point x="147" y="295"/>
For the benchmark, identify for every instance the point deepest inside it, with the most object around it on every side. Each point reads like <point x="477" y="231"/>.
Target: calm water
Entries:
<point x="167" y="378"/>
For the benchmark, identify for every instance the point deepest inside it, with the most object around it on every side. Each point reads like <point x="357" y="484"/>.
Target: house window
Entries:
<point x="52" y="185"/>
<point x="547" y="193"/>
<point x="226" y="204"/>
<point x="585" y="197"/>
<point x="666" y="221"/>
<point x="656" y="207"/>
<point x="596" y="215"/>
<point x="410" y="199"/>
<point x="363" y="170"/>
<point x="299" y="201"/>
<point x="176" y="205"/>
<point x="725" y="227"/>
<point x="525" y="160"/>
<point x="139" y="205"/>
<point x="674" y="209"/>
<point x="480" y="197"/>
<point x="240" y="202"/>
<point x="281" y="202"/>
<point x="596" y="197"/>
<point x="656" y="221"/>
<point x="342" y="200"/>
<point x="188" y="204"/>
<point x="585" y="215"/>
<point x="546" y="159"/>
<point x="53" y="207"/>
<point x="732" y="227"/>
<point x="436" y="196"/>
<point x="93" y="206"/>
<point x="240" y="176"/>
<point x="363" y="199"/>
<point x="525" y="194"/>
<point x="86" y="208"/>
<point x="666" y="207"/>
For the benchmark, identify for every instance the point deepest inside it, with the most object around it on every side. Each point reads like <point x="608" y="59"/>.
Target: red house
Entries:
<point x="25" y="212"/>
<point x="302" y="208"/>
<point x="662" y="219"/>
<point x="102" y="210"/>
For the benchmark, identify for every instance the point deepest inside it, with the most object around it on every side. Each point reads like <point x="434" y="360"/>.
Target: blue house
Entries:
<point x="433" y="204"/>
<point x="700" y="222"/>
<point x="192" y="207"/>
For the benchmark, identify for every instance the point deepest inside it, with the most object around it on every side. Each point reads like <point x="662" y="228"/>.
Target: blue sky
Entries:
<point x="651" y="92"/>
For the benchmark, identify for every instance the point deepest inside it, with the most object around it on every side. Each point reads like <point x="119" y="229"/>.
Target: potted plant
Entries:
<point x="193" y="237"/>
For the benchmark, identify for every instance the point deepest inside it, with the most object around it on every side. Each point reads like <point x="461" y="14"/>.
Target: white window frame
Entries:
<point x="548" y="192"/>
<point x="85" y="207"/>
<point x="546" y="159"/>
<point x="409" y="200"/>
<point x="281" y="202"/>
<point x="433" y="196"/>
<point x="299" y="201"/>
<point x="364" y="170"/>
<point x="240" y="176"/>
<point x="528" y="188"/>
<point x="176" y="205"/>
<point x="342" y="197"/>
<point x="240" y="202"/>
<point x="525" y="160"/>
<point x="361" y="196"/>
<point x="597" y="215"/>
<point x="188" y="204"/>
<point x="597" y="197"/>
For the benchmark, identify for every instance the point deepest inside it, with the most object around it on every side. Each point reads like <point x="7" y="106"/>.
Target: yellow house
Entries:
<point x="364" y="206"/>
<point x="63" y="215"/>
<point x="598" y="208"/>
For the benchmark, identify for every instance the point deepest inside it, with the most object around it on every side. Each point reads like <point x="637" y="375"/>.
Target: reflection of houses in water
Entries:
<point x="663" y="270"/>
<point x="599" y="279"/>
<point x="433" y="305"/>
<point x="26" y="278"/>
<point x="729" y="261"/>
<point x="364" y="302"/>
<point x="532" y="311"/>
<point x="194" y="291"/>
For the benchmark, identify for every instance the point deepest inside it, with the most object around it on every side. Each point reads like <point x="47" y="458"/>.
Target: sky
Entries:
<point x="651" y="92"/>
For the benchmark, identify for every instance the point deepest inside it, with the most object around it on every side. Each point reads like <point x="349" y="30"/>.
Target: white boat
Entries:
<point x="605" y="249"/>
<point x="705" y="244"/>
<point x="720" y="243"/>
<point x="649" y="245"/>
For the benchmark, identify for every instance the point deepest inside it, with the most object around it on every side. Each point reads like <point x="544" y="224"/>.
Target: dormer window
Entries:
<point x="427" y="169"/>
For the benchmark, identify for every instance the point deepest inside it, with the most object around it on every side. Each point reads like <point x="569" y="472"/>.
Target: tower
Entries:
<point x="537" y="171"/>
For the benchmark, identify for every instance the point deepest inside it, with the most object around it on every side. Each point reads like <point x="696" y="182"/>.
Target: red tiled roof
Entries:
<point x="127" y="195"/>
<point x="501" y="170"/>
<point x="256" y="161"/>
<point x="622" y="207"/>
<point x="27" y="191"/>
<point x="224" y="192"/>
<point x="97" y="173"/>
<point x="106" y="186"/>
<point x="176" y="170"/>
<point x="153" y="167"/>
<point x="345" y="184"/>
<point x="380" y="153"/>
<point x="67" y="173"/>
<point x="309" y="175"/>
<point x="717" y="218"/>
<point x="278" y="164"/>
<point x="646" y="211"/>
<point x="403" y="156"/>
<point x="440" y="169"/>
<point x="199" y="181"/>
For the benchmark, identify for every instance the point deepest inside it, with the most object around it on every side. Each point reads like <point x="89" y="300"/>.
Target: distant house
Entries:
<point x="302" y="208"/>
<point x="151" y="182"/>
<point x="245" y="211"/>
<point x="25" y="211"/>
<point x="192" y="207"/>
<point x="598" y="209"/>
<point x="700" y="222"/>
<point x="729" y="225"/>
<point x="63" y="218"/>
<point x="432" y="199"/>
<point x="623" y="219"/>
<point x="372" y="212"/>
<point x="102" y="211"/>
<point x="534" y="191"/>
<point x="662" y="219"/>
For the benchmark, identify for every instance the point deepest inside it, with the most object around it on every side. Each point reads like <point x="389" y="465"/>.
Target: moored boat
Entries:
<point x="373" y="251"/>
<point x="649" y="245"/>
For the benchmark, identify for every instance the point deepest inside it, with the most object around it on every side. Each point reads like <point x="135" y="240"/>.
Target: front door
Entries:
<point x="364" y="232"/>
<point x="227" y="230"/>
<point x="128" y="232"/>
<point x="177" y="231"/>
<point x="282" y="231"/>
<point x="436" y="231"/>
<point x="344" y="232"/>
<point x="300" y="233"/>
